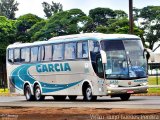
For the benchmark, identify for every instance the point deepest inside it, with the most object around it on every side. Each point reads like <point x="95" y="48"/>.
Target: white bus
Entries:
<point x="88" y="65"/>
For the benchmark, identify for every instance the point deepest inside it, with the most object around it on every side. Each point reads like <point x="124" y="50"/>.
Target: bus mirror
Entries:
<point x="152" y="57"/>
<point x="149" y="55"/>
<point x="103" y="56"/>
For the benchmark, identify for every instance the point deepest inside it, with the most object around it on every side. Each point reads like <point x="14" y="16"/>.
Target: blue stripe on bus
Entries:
<point x="21" y="74"/>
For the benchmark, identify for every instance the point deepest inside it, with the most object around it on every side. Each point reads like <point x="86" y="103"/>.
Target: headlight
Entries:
<point x="144" y="84"/>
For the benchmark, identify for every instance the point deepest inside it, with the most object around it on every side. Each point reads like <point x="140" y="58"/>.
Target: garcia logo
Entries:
<point x="57" y="67"/>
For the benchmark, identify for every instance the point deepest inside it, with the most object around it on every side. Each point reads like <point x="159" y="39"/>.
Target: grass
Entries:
<point x="154" y="90"/>
<point x="4" y="92"/>
<point x="152" y="80"/>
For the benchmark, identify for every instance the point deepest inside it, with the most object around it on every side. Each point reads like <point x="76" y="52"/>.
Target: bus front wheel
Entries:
<point x="88" y="94"/>
<point x="38" y="94"/>
<point x="125" y="97"/>
<point x="28" y="94"/>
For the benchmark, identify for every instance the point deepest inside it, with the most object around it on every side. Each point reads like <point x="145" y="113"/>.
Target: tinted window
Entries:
<point x="10" y="55"/>
<point x="94" y="46"/>
<point x="46" y="52"/>
<point x="25" y="55"/>
<point x="34" y="54"/>
<point x="58" y="52"/>
<point x="17" y="55"/>
<point x="39" y="53"/>
<point x="94" y="51"/>
<point x="111" y="45"/>
<point x="70" y="50"/>
<point x="82" y="51"/>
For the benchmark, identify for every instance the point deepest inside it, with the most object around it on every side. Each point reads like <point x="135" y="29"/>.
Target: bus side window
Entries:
<point x="79" y="50"/>
<point x="10" y="55"/>
<point x="17" y="55"/>
<point x="34" y="54"/>
<point x="85" y="49"/>
<point x="46" y="53"/>
<point x="25" y="55"/>
<point x="82" y="50"/>
<point x="58" y="51"/>
<point x="70" y="50"/>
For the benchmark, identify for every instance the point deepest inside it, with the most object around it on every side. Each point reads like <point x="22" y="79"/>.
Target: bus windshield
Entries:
<point x="125" y="59"/>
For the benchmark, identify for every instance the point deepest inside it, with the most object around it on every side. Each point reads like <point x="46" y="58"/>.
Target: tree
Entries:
<point x="23" y="24"/>
<point x="150" y="24"/>
<point x="7" y="35"/>
<point x="36" y="28"/>
<point x="120" y="26"/>
<point x="8" y="8"/>
<point x="50" y="10"/>
<point x="120" y="14"/>
<point x="100" y="16"/>
<point x="72" y="21"/>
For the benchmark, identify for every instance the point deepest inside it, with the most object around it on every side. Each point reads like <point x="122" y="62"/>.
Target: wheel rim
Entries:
<point x="89" y="93"/>
<point x="38" y="94"/>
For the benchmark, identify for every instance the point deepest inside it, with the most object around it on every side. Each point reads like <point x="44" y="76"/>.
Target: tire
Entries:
<point x="72" y="98"/>
<point x="125" y="97"/>
<point x="38" y="94"/>
<point x="28" y="94"/>
<point x="88" y="94"/>
<point x="59" y="98"/>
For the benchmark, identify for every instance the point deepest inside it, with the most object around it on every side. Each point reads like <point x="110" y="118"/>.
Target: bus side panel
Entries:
<point x="55" y="78"/>
<point x="15" y="86"/>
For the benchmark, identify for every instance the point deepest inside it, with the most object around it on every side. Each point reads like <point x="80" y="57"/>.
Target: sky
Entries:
<point x="35" y="6"/>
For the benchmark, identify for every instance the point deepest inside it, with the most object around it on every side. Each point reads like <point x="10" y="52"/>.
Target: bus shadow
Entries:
<point x="81" y="100"/>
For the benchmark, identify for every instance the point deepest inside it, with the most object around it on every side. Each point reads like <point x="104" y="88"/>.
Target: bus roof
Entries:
<point x="74" y="37"/>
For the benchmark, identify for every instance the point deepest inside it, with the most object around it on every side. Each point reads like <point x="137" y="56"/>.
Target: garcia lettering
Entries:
<point x="57" y="67"/>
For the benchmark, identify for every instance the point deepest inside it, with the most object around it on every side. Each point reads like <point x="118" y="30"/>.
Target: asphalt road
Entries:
<point x="141" y="102"/>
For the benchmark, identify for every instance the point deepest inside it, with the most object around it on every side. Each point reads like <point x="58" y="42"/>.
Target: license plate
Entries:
<point x="130" y="91"/>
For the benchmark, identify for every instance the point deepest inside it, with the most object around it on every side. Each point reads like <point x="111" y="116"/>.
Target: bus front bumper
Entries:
<point x="126" y="90"/>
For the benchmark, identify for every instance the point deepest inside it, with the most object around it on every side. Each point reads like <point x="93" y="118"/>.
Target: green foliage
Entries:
<point x="120" y="26"/>
<point x="23" y="24"/>
<point x="50" y="10"/>
<point x="150" y="23"/>
<point x="4" y="92"/>
<point x="68" y="22"/>
<point x="8" y="8"/>
<point x="152" y="80"/>
<point x="35" y="28"/>
<point x="120" y="14"/>
<point x="102" y="29"/>
<point x="100" y="16"/>
<point x="150" y="12"/>
<point x="7" y="35"/>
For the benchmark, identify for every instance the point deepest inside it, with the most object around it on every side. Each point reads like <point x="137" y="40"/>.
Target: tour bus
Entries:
<point x="88" y="65"/>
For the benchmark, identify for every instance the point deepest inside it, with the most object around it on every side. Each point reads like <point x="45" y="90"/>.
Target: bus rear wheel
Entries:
<point x="59" y="98"/>
<point x="72" y="98"/>
<point x="38" y="94"/>
<point x="125" y="97"/>
<point x="28" y="94"/>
